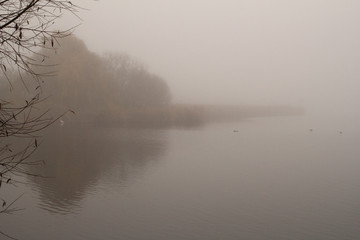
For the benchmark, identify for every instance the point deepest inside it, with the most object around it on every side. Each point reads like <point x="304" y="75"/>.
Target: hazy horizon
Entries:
<point x="204" y="119"/>
<point x="239" y="52"/>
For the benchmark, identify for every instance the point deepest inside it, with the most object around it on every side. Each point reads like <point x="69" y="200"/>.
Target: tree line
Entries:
<point x="96" y="87"/>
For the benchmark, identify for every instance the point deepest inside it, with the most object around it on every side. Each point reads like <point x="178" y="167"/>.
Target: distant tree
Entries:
<point x="79" y="77"/>
<point x="25" y="27"/>
<point x="138" y="87"/>
<point x="100" y="86"/>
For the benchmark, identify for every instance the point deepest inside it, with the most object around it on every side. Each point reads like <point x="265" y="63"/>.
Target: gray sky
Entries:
<point x="238" y="51"/>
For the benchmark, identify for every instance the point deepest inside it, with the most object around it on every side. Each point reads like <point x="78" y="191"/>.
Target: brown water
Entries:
<point x="272" y="178"/>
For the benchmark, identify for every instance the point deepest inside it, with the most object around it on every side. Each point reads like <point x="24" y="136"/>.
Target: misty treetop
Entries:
<point x="138" y="87"/>
<point x="97" y="87"/>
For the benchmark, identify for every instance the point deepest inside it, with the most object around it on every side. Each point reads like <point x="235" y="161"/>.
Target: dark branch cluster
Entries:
<point x="20" y="122"/>
<point x="26" y="26"/>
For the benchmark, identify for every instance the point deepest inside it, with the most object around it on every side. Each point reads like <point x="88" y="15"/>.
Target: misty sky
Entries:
<point x="238" y="51"/>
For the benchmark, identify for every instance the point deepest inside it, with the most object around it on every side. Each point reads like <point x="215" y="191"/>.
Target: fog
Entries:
<point x="189" y="119"/>
<point x="240" y="52"/>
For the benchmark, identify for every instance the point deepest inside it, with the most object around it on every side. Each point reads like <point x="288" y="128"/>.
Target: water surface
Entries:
<point x="265" y="178"/>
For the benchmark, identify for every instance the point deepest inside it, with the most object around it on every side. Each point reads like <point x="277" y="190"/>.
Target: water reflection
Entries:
<point x="76" y="158"/>
<point x="274" y="179"/>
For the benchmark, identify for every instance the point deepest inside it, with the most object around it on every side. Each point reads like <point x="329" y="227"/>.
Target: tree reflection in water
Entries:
<point x="76" y="158"/>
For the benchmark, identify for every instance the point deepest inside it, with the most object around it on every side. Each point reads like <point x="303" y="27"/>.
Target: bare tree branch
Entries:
<point x="26" y="27"/>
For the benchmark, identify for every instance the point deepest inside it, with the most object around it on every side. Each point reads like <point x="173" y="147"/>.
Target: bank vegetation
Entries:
<point x="114" y="88"/>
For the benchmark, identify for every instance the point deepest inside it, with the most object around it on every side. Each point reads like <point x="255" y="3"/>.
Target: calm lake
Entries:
<point x="271" y="178"/>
